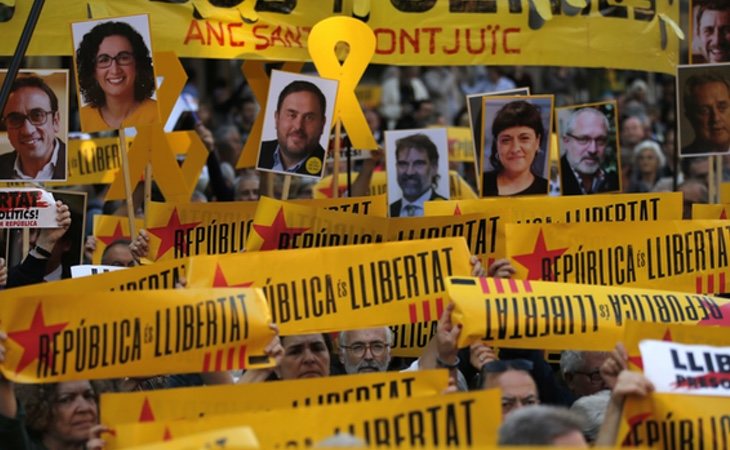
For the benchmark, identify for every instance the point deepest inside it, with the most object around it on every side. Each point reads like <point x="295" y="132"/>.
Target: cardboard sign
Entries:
<point x="109" y="229"/>
<point x="85" y="270"/>
<point x="78" y="336"/>
<point x="688" y="256"/>
<point x="236" y="438"/>
<point x="27" y="208"/>
<point x="458" y="420"/>
<point x="195" y="402"/>
<point x="556" y="316"/>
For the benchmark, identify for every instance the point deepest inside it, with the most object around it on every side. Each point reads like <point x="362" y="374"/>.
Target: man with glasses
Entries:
<point x="581" y="371"/>
<point x="32" y="120"/>
<point x="363" y="351"/>
<point x="584" y="144"/>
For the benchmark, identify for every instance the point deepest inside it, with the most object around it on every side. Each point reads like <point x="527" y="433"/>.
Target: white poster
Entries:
<point x="27" y="208"/>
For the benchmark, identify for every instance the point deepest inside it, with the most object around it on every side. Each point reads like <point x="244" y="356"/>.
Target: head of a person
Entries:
<point x="366" y="350"/>
<point x="305" y="356"/>
<point x="118" y="254"/>
<point x="582" y="371"/>
<point x="32" y="118"/>
<point x="247" y="186"/>
<point x="585" y="140"/>
<point x="61" y="413"/>
<point x="114" y="61"/>
<point x="633" y="130"/>
<point x="517" y="133"/>
<point x="713" y="30"/>
<point x="300" y="119"/>
<point x="592" y="408"/>
<point x="693" y="191"/>
<point x="417" y="162"/>
<point x="542" y="425"/>
<point x="707" y="107"/>
<point x="512" y="377"/>
<point x="648" y="157"/>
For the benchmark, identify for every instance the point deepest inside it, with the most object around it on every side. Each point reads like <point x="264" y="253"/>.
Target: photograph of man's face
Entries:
<point x="417" y="167"/>
<point x="35" y="122"/>
<point x="297" y="121"/>
<point x="704" y="107"/>
<point x="711" y="36"/>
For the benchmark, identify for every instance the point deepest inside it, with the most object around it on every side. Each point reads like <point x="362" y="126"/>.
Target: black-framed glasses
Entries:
<point x="503" y="365"/>
<point x="123" y="59"/>
<point x="377" y="348"/>
<point x="600" y="141"/>
<point x="36" y="117"/>
<point x="594" y="376"/>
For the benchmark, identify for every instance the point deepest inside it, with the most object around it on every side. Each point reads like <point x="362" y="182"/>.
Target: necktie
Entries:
<point x="411" y="210"/>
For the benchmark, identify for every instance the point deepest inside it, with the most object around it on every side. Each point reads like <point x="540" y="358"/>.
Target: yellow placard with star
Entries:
<point x="556" y="316"/>
<point x="233" y="438"/>
<point x="283" y="225"/>
<point x="179" y="230"/>
<point x="702" y="211"/>
<point x="570" y="209"/>
<point x="688" y="256"/>
<point x="484" y="233"/>
<point x="109" y="229"/>
<point x="464" y="420"/>
<point x="203" y="401"/>
<point x="398" y="284"/>
<point x="92" y="335"/>
<point x="674" y="421"/>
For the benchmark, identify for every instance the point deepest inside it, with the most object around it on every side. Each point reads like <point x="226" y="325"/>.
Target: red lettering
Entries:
<point x="265" y="44"/>
<point x="390" y="36"/>
<point x="234" y="43"/>
<point x="194" y="33"/>
<point x="218" y="36"/>
<point x="276" y="37"/>
<point x="432" y="38"/>
<point x="412" y="39"/>
<point x="504" y="40"/>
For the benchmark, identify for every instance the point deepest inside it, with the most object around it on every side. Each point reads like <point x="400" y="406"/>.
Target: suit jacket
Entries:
<point x="266" y="158"/>
<point x="569" y="184"/>
<point x="7" y="162"/>
<point x="396" y="206"/>
<point x="698" y="148"/>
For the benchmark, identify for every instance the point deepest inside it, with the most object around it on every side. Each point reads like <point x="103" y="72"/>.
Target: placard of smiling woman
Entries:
<point x="115" y="75"/>
<point x="516" y="140"/>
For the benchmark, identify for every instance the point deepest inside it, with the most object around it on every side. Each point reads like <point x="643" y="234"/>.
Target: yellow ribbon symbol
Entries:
<point x="323" y="39"/>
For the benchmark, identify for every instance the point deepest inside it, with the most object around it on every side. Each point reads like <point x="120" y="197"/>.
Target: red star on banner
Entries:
<point x="271" y="233"/>
<point x="118" y="234"/>
<point x="327" y="191"/>
<point x="167" y="233"/>
<point x="167" y="435"/>
<point x="28" y="339"/>
<point x="219" y="280"/>
<point x="533" y="261"/>
<point x="146" y="415"/>
<point x="634" y="421"/>
<point x="723" y="214"/>
<point x="723" y="321"/>
<point x="457" y="211"/>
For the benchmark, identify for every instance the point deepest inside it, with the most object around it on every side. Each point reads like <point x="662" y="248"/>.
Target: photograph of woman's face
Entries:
<point x="516" y="149"/>
<point x="115" y="67"/>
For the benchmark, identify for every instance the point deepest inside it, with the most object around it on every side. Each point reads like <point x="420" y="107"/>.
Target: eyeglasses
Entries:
<point x="503" y="365"/>
<point x="36" y="117"/>
<point x="595" y="376"/>
<point x="357" y="349"/>
<point x="600" y="141"/>
<point x="123" y="59"/>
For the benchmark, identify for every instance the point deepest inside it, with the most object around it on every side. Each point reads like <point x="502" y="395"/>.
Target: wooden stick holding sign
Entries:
<point x="127" y="182"/>
<point x="286" y="187"/>
<point x="336" y="165"/>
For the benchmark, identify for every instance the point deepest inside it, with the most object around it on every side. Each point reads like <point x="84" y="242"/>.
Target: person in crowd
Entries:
<point x="115" y="78"/>
<point x="584" y="143"/>
<point x="581" y="371"/>
<point x="366" y="350"/>
<point x="248" y="185"/>
<point x="542" y="425"/>
<point x="649" y="163"/>
<point x="33" y="121"/>
<point x="517" y="137"/>
<point x="592" y="408"/>
<point x="707" y="107"/>
<point x="634" y="129"/>
<point x="712" y="31"/>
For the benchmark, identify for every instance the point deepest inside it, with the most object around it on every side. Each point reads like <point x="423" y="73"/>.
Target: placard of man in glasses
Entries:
<point x="32" y="119"/>
<point x="585" y="145"/>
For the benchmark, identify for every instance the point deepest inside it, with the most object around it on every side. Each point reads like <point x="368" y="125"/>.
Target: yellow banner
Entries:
<point x="79" y="335"/>
<point x="344" y="288"/>
<point x="688" y="256"/>
<point x="675" y="421"/>
<point x="108" y="229"/>
<point x="194" y="402"/>
<point x="461" y="148"/>
<point x="376" y="205"/>
<point x="711" y="212"/>
<point x="458" y="420"/>
<point x="577" y="208"/>
<point x="283" y="225"/>
<point x="484" y="233"/>
<point x="235" y="438"/>
<point x="92" y="161"/>
<point x="409" y="33"/>
<point x="179" y="230"/>
<point x="556" y="316"/>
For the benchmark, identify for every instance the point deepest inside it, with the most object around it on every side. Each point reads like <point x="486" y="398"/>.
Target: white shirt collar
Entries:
<point x="46" y="172"/>
<point x="418" y="203"/>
